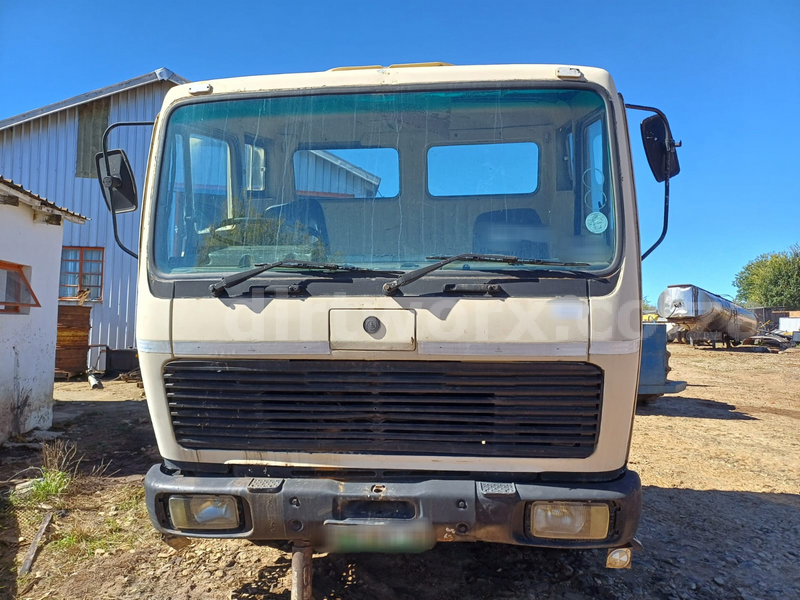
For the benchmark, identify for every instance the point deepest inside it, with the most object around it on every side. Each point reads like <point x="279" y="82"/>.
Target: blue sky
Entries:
<point x="726" y="74"/>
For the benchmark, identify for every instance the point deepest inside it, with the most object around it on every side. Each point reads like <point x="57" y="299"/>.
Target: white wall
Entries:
<point x="28" y="341"/>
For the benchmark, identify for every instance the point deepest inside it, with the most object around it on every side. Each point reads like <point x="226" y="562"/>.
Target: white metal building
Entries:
<point x="52" y="150"/>
<point x="30" y="255"/>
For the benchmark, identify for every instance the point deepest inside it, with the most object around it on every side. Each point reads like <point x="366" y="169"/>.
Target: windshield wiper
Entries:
<point x="391" y="287"/>
<point x="219" y="287"/>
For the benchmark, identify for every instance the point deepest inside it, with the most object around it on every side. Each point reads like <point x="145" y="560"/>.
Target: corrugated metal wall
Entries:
<point x="316" y="174"/>
<point x="41" y="155"/>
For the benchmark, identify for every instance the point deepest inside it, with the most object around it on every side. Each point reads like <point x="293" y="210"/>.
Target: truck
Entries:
<point x="385" y="307"/>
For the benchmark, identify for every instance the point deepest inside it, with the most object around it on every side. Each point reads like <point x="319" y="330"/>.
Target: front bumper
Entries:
<point x="453" y="510"/>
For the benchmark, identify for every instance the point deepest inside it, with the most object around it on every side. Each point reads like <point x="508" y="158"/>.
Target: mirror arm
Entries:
<point x="666" y="217"/>
<point x="111" y="183"/>
<point x="670" y="142"/>
<point x="671" y="145"/>
<point x="116" y="236"/>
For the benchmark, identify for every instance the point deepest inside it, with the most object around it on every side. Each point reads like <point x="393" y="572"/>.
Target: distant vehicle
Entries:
<point x="703" y="316"/>
<point x="385" y="307"/>
<point x="654" y="370"/>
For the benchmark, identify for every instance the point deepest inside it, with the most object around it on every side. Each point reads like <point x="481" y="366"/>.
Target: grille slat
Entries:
<point x="351" y="378"/>
<point x="409" y="436"/>
<point x="387" y="407"/>
<point x="479" y="430"/>
<point x="388" y="398"/>
<point x="277" y="410"/>
<point x="436" y="388"/>
<point x="332" y="415"/>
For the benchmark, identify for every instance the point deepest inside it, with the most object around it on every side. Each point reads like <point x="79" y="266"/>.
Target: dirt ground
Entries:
<point x="720" y="464"/>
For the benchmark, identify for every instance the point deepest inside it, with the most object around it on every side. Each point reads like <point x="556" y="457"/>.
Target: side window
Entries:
<point x="483" y="169"/>
<point x="594" y="197"/>
<point x="565" y="167"/>
<point x="16" y="294"/>
<point x="210" y="170"/>
<point x="255" y="167"/>
<point x="175" y="237"/>
<point x="571" y="155"/>
<point x="81" y="274"/>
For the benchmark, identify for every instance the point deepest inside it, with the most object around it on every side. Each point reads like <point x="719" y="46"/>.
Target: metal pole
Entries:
<point x="302" y="555"/>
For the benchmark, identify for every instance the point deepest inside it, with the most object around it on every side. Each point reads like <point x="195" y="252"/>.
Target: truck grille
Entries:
<point x="549" y="410"/>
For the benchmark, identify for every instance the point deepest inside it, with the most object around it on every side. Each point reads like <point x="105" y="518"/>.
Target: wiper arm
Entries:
<point x="219" y="287"/>
<point x="391" y="287"/>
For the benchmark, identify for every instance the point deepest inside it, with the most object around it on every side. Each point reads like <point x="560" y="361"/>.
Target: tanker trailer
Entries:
<point x="703" y="316"/>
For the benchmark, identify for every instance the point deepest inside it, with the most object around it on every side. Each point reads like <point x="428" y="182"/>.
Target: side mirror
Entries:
<point x="117" y="182"/>
<point x="660" y="148"/>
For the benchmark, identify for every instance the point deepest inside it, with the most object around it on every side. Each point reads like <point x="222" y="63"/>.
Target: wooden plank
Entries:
<point x="31" y="554"/>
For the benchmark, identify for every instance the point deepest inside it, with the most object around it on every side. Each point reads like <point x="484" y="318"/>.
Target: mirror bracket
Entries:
<point x="110" y="182"/>
<point x="671" y="145"/>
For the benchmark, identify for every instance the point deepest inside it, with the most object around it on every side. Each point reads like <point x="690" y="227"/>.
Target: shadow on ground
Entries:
<point x="697" y="408"/>
<point x="116" y="433"/>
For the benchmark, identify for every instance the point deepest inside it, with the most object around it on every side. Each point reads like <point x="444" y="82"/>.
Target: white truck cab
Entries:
<point x="384" y="307"/>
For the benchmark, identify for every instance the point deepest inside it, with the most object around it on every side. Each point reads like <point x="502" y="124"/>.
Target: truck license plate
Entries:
<point x="379" y="536"/>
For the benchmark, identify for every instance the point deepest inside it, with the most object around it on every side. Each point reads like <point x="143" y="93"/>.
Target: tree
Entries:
<point x="647" y="306"/>
<point x="771" y="280"/>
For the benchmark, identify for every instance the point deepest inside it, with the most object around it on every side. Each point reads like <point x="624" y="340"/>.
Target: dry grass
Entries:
<point x="93" y="515"/>
<point x="90" y="531"/>
<point x="60" y="464"/>
<point x="103" y="518"/>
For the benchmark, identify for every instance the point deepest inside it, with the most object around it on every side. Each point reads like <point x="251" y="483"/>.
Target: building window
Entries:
<point x="16" y="294"/>
<point x="81" y="274"/>
<point x="92" y="123"/>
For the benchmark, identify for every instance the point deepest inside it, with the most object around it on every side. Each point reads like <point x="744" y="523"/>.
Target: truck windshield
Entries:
<point x="384" y="180"/>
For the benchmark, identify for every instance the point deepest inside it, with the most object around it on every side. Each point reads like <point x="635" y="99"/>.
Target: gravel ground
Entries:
<point x="720" y="464"/>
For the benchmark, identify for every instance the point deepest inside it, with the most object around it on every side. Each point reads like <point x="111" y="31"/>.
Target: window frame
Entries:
<point x="15" y="307"/>
<point x="81" y="260"/>
<point x="170" y="285"/>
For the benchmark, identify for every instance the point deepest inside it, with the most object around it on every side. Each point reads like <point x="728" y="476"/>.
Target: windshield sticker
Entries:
<point x="596" y="222"/>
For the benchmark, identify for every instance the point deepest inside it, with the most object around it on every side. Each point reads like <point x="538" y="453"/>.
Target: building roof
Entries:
<point x="348" y="166"/>
<point x="13" y="193"/>
<point x="157" y="75"/>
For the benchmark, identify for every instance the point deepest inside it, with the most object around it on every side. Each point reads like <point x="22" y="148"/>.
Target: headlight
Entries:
<point x="203" y="512"/>
<point x="569" y="520"/>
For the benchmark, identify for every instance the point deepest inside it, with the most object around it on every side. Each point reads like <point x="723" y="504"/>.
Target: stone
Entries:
<point x="46" y="436"/>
